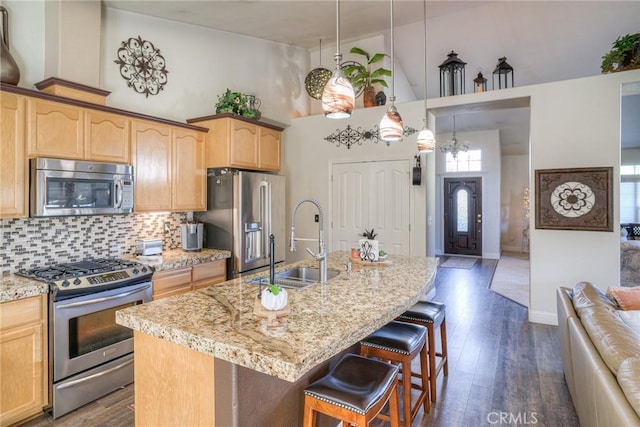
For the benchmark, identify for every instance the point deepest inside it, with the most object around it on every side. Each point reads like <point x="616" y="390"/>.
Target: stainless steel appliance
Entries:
<point x="90" y="355"/>
<point x="70" y="187"/>
<point x="149" y="246"/>
<point x="244" y="208"/>
<point x="191" y="234"/>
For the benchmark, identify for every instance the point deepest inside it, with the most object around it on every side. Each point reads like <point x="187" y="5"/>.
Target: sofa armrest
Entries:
<point x="565" y="311"/>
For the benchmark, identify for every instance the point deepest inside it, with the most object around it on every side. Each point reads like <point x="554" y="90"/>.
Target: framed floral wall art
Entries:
<point x="574" y="199"/>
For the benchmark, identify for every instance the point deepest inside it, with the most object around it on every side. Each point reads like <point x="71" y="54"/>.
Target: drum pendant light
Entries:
<point x="338" y="97"/>
<point x="391" y="126"/>
<point x="426" y="142"/>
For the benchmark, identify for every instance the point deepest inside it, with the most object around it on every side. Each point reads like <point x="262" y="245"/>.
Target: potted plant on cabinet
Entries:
<point x="365" y="76"/>
<point x="624" y="54"/>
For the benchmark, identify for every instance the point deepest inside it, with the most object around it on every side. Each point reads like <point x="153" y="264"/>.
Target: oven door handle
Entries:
<point x="97" y="300"/>
<point x="96" y="375"/>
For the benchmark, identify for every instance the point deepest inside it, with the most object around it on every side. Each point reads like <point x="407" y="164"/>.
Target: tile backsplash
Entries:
<point x="37" y="242"/>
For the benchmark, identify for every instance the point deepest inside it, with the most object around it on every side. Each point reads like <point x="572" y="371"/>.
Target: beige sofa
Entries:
<point x="600" y="358"/>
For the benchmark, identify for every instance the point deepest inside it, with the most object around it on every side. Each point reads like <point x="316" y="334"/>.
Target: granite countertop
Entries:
<point x="325" y="319"/>
<point x="14" y="287"/>
<point x="178" y="258"/>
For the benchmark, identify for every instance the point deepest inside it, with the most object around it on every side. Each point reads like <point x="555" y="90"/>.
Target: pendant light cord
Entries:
<point x="392" y="98"/>
<point x="425" y="61"/>
<point x="338" y="55"/>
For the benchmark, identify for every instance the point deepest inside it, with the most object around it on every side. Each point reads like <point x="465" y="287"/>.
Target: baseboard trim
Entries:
<point x="543" y="317"/>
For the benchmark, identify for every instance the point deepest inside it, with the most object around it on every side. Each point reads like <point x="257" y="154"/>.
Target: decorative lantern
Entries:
<point x="452" y="75"/>
<point x="480" y="83"/>
<point x="502" y="69"/>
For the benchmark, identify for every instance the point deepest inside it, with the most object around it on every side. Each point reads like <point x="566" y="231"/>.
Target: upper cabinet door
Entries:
<point x="189" y="172"/>
<point x="244" y="144"/>
<point x="107" y="137"/>
<point x="269" y="150"/>
<point x="54" y="130"/>
<point x="151" y="151"/>
<point x="14" y="170"/>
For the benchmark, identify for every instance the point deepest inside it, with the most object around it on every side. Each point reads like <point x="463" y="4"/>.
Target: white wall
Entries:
<point x="574" y="123"/>
<point x="307" y="163"/>
<point x="489" y="143"/>
<point x="26" y="39"/>
<point x="515" y="178"/>
<point x="202" y="64"/>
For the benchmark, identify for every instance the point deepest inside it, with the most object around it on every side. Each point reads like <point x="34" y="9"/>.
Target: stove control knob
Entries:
<point x="135" y="271"/>
<point x="77" y="281"/>
<point x="65" y="283"/>
<point x="144" y="269"/>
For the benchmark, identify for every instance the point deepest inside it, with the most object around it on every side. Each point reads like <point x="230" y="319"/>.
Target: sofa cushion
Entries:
<point x="614" y="340"/>
<point x="626" y="298"/>
<point x="585" y="296"/>
<point x="629" y="380"/>
<point x="631" y="318"/>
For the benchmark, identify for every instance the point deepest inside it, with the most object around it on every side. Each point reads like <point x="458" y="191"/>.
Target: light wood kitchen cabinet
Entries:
<point x="240" y="144"/>
<point x="107" y="137"/>
<point x="152" y="166"/>
<point x="14" y="172"/>
<point x="167" y="283"/>
<point x="269" y="149"/>
<point x="23" y="346"/>
<point x="54" y="129"/>
<point x="209" y="273"/>
<point x="189" y="172"/>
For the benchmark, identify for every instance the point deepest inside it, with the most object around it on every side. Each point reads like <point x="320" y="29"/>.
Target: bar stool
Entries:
<point x="355" y="391"/>
<point x="432" y="315"/>
<point x="399" y="343"/>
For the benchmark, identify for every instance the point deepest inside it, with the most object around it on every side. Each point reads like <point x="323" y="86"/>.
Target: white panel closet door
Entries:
<point x="372" y="195"/>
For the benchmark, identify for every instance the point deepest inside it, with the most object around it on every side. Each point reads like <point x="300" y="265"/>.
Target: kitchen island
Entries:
<point x="205" y="358"/>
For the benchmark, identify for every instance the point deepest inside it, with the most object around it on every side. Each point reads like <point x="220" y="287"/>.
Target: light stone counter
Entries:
<point x="178" y="258"/>
<point x="14" y="287"/>
<point x="325" y="319"/>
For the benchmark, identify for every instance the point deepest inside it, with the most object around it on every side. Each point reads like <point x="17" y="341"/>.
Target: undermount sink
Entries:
<point x="296" y="277"/>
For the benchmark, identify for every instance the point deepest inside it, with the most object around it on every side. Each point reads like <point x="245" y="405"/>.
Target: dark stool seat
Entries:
<point x="355" y="390"/>
<point x="425" y="312"/>
<point x="399" y="343"/>
<point x="431" y="314"/>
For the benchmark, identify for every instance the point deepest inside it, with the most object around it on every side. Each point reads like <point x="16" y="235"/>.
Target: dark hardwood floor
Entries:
<point x="503" y="370"/>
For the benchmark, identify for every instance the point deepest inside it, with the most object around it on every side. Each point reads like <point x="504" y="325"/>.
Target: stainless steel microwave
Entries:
<point x="69" y="187"/>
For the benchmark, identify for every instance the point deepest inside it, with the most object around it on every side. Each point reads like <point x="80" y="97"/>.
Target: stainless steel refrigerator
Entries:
<point x="243" y="209"/>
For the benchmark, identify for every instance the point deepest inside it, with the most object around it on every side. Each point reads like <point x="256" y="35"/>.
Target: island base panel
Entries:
<point x="173" y="384"/>
<point x="258" y="399"/>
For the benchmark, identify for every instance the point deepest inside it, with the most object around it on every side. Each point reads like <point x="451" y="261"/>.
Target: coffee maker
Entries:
<point x="191" y="236"/>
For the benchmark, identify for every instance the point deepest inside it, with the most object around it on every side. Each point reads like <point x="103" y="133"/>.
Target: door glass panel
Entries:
<point x="462" y="210"/>
<point x="93" y="331"/>
<point x="78" y="193"/>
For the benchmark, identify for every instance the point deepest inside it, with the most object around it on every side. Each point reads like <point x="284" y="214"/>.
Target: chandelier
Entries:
<point x="453" y="146"/>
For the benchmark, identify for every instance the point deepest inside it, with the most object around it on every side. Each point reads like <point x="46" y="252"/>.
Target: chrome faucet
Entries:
<point x="321" y="256"/>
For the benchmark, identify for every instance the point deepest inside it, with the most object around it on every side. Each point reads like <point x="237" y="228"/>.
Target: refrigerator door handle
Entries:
<point x="265" y="215"/>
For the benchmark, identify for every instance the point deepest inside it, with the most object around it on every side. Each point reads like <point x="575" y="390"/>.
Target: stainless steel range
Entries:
<point x="90" y="355"/>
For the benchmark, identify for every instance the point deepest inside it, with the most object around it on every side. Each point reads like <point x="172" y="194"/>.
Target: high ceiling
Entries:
<point x="304" y="23"/>
<point x="300" y="23"/>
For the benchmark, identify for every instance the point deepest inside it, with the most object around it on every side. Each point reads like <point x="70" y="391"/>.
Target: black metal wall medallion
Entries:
<point x="142" y="66"/>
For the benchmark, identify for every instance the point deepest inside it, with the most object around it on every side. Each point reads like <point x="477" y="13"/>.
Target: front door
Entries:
<point x="463" y="216"/>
